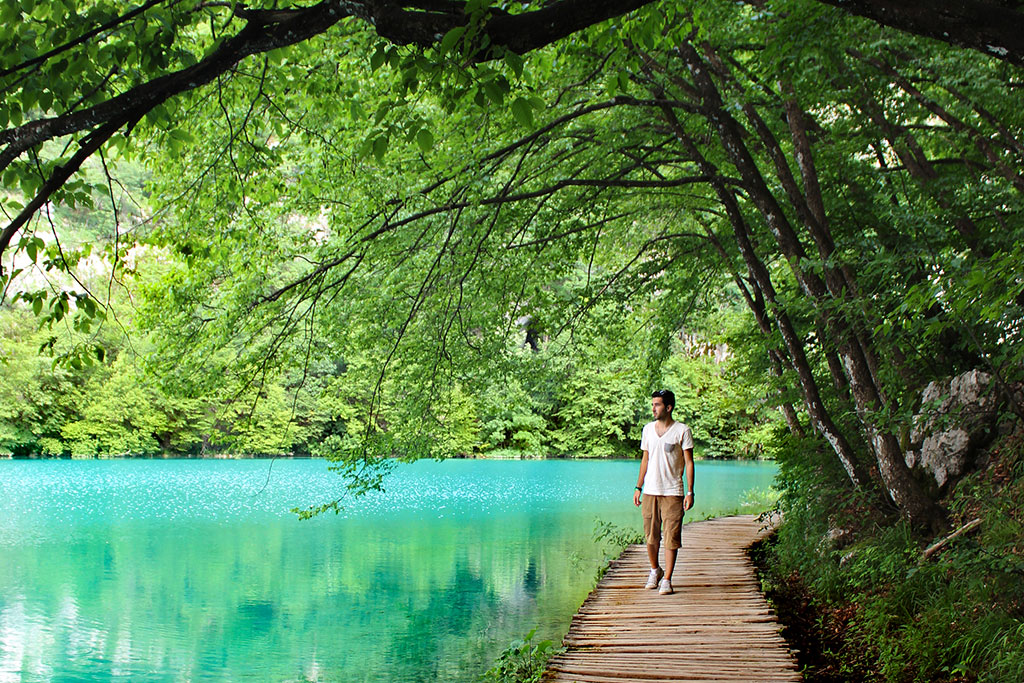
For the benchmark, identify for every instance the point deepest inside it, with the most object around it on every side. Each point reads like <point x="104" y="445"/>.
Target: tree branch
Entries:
<point x="424" y="24"/>
<point x="987" y="26"/>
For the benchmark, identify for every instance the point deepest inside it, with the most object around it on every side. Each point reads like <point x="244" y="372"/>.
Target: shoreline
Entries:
<point x="232" y="456"/>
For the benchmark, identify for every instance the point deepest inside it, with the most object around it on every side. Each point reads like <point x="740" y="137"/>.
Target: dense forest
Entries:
<point x="365" y="229"/>
<point x="573" y="395"/>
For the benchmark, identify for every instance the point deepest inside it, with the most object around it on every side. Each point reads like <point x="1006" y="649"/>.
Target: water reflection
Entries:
<point x="177" y="570"/>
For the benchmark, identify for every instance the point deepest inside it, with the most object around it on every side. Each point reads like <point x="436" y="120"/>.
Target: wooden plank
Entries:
<point x="715" y="627"/>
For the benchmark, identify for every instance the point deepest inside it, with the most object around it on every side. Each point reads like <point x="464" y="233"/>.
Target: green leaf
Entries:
<point x="425" y="140"/>
<point x="380" y="147"/>
<point x="28" y="99"/>
<point x="451" y="38"/>
<point x="45" y="100"/>
<point x="157" y="114"/>
<point x="117" y="142"/>
<point x="182" y="136"/>
<point x="377" y="59"/>
<point x="623" y="77"/>
<point x="187" y="59"/>
<point x="365" y="148"/>
<point x="522" y="112"/>
<point x="276" y="57"/>
<point x="495" y="93"/>
<point x="476" y="5"/>
<point x="514" y="62"/>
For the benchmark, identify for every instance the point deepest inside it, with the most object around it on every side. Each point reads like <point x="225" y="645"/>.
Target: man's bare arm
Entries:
<point x="640" y="479"/>
<point x="688" y="469"/>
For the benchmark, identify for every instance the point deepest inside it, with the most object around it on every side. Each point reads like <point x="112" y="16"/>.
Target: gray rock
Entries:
<point x="945" y="454"/>
<point x="964" y="398"/>
<point x="956" y="418"/>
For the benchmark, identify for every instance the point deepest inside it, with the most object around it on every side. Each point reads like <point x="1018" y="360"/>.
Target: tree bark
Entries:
<point x="981" y="142"/>
<point x="917" y="164"/>
<point x="755" y="302"/>
<point x="992" y="27"/>
<point x="805" y="209"/>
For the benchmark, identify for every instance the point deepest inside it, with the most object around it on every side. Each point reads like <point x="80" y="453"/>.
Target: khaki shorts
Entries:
<point x="667" y="510"/>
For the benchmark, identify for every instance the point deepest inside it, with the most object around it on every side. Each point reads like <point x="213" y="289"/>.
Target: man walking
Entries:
<point x="668" y="453"/>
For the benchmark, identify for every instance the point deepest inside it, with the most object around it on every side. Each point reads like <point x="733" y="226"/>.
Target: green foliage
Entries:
<point x="581" y="394"/>
<point x="367" y="251"/>
<point x="463" y="257"/>
<point x="36" y="398"/>
<point x="119" y="415"/>
<point x="760" y="500"/>
<point x="955" y="614"/>
<point x="511" y="419"/>
<point x="720" y="394"/>
<point x="117" y="405"/>
<point x="617" y="536"/>
<point x="613" y="539"/>
<point x="522" y="662"/>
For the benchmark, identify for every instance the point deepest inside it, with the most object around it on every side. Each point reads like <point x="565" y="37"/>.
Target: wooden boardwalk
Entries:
<point x="715" y="627"/>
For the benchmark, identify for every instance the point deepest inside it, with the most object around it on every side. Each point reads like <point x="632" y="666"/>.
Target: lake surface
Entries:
<point x="195" y="570"/>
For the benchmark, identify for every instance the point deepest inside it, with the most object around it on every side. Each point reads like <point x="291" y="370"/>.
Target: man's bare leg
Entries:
<point x="670" y="561"/>
<point x="652" y="554"/>
<point x="657" y="573"/>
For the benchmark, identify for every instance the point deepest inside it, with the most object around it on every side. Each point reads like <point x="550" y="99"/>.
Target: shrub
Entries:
<point x="523" y="661"/>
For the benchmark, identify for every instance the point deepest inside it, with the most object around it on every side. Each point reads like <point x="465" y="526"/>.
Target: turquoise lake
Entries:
<point x="196" y="570"/>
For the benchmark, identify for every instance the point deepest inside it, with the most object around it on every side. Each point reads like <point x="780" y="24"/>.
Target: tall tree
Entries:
<point x="686" y="145"/>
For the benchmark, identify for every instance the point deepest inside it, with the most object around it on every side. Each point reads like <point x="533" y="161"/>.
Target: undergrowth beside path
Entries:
<point x="864" y="598"/>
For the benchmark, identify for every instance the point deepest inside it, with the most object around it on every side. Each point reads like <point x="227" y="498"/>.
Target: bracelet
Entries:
<point x="689" y="493"/>
<point x="639" y="488"/>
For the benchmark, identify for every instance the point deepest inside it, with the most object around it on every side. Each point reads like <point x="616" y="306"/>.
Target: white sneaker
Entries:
<point x="654" y="578"/>
<point x="665" y="588"/>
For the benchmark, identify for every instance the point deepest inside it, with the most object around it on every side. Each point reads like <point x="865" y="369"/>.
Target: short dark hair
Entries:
<point x="666" y="396"/>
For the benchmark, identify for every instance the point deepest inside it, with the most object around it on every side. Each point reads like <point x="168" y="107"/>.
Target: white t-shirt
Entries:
<point x="664" y="463"/>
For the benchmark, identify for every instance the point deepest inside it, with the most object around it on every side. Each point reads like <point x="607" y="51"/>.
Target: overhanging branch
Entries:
<point x="422" y="23"/>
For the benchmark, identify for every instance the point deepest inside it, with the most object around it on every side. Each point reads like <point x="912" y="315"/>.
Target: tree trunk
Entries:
<point x="821" y="420"/>
<point x="981" y="142"/>
<point x="900" y="485"/>
<point x="921" y="169"/>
